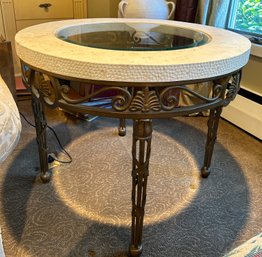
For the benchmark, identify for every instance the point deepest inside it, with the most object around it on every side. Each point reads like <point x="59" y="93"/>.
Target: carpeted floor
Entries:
<point x="85" y="210"/>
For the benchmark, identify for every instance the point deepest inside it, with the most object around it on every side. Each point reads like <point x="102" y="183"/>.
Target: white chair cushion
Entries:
<point x="251" y="248"/>
<point x="10" y="123"/>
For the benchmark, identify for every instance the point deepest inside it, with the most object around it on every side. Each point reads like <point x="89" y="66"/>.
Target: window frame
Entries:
<point x="253" y="37"/>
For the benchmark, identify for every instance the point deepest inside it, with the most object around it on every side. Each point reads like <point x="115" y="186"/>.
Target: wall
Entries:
<point x="102" y="8"/>
<point x="114" y="8"/>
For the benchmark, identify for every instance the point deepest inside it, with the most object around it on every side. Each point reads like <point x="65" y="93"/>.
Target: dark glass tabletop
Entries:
<point x="136" y="36"/>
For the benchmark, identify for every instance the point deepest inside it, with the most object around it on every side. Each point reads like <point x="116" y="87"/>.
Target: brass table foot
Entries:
<point x="205" y="172"/>
<point x="122" y="128"/>
<point x="45" y="177"/>
<point x="121" y="131"/>
<point x="135" y="251"/>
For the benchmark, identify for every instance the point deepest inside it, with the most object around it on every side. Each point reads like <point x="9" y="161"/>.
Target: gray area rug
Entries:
<point x="85" y="210"/>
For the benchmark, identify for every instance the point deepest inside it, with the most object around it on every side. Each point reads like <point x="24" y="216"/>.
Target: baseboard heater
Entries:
<point x="246" y="112"/>
<point x="250" y="95"/>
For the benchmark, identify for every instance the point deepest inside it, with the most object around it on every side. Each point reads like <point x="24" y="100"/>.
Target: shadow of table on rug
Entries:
<point x="39" y="223"/>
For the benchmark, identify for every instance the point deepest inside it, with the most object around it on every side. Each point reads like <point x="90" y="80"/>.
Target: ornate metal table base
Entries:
<point x="40" y="125"/>
<point x="142" y="135"/>
<point x="211" y="139"/>
<point x="138" y="102"/>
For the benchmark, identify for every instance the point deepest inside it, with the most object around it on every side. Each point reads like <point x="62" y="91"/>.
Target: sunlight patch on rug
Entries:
<point x="97" y="185"/>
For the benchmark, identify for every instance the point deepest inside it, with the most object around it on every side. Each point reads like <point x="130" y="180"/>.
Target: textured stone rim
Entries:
<point x="39" y="47"/>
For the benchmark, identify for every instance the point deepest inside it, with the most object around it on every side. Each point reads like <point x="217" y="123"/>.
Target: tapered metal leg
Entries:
<point x="213" y="121"/>
<point x="142" y="135"/>
<point x="40" y="125"/>
<point x="122" y="127"/>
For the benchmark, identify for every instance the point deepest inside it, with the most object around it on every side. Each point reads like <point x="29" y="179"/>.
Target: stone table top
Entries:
<point x="39" y="47"/>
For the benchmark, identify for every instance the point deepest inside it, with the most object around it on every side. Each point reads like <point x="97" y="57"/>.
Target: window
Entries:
<point x="246" y="17"/>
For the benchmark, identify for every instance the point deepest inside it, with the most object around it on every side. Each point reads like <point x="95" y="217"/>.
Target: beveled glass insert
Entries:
<point x="136" y="36"/>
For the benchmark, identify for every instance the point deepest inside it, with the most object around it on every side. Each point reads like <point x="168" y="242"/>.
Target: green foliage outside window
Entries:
<point x="249" y="16"/>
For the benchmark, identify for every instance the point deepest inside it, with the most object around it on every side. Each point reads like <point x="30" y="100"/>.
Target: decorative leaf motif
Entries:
<point x="233" y="88"/>
<point x="44" y="86"/>
<point x="145" y="101"/>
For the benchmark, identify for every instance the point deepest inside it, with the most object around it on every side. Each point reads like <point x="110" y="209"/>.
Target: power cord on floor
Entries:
<point x="51" y="157"/>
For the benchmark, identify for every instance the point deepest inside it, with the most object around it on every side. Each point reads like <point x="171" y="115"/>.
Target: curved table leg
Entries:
<point x="213" y="121"/>
<point x="142" y="135"/>
<point x="40" y="125"/>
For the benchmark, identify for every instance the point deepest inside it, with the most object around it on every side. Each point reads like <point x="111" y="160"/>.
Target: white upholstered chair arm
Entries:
<point x="10" y="123"/>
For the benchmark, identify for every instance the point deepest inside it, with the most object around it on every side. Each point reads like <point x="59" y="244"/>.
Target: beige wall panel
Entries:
<point x="30" y="9"/>
<point x="80" y="9"/>
<point x="252" y="75"/>
<point x="102" y="8"/>
<point x="2" y="30"/>
<point x="9" y="19"/>
<point x="98" y="9"/>
<point x="114" y="8"/>
<point x="10" y="28"/>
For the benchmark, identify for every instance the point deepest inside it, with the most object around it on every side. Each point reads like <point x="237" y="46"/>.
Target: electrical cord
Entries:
<point x="52" y="157"/>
